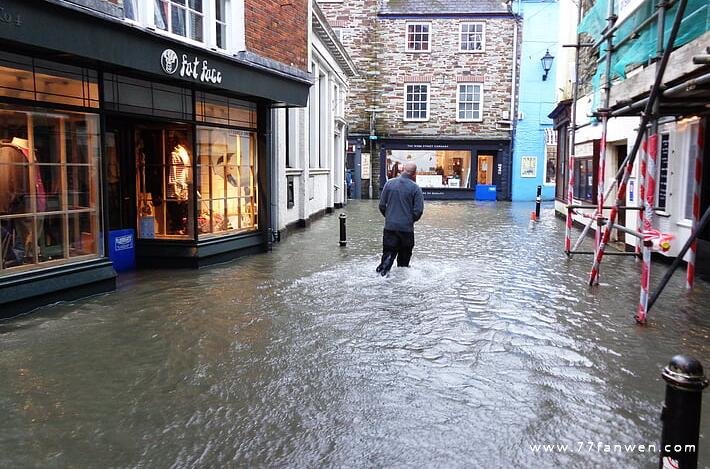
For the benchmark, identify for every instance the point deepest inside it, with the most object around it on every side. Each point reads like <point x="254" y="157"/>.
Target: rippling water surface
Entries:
<point x="303" y="357"/>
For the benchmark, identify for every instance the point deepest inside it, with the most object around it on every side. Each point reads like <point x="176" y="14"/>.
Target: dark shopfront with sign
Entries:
<point x="451" y="170"/>
<point x="168" y="145"/>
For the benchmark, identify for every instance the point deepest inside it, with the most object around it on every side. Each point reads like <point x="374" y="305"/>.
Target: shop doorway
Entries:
<point x="485" y="169"/>
<point x="621" y="152"/>
<point x="148" y="179"/>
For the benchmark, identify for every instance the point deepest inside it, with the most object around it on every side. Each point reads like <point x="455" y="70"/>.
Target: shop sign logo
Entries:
<point x="122" y="243"/>
<point x="189" y="67"/>
<point x="169" y="61"/>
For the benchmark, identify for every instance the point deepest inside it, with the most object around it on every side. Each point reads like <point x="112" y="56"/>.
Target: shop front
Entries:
<point x="456" y="170"/>
<point x="111" y="159"/>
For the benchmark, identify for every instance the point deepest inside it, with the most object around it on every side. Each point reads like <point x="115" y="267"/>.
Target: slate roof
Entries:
<point x="440" y="7"/>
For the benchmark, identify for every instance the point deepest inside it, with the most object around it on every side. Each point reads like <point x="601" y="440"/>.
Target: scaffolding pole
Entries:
<point x="610" y="22"/>
<point x="572" y="141"/>
<point x="645" y="119"/>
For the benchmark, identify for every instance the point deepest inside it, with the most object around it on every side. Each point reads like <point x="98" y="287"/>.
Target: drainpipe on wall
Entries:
<point x="274" y="170"/>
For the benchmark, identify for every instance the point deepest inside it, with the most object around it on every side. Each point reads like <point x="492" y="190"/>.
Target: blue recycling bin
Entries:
<point x="122" y="249"/>
<point x="485" y="192"/>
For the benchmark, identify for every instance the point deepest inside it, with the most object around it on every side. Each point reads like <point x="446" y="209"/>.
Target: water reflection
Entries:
<point x="305" y="357"/>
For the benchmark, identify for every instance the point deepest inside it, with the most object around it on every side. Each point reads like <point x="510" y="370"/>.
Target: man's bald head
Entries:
<point x="410" y="168"/>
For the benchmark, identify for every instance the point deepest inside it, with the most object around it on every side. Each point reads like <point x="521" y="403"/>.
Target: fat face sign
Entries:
<point x="189" y="67"/>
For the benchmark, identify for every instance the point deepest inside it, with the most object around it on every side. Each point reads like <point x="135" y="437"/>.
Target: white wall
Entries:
<point x="316" y="143"/>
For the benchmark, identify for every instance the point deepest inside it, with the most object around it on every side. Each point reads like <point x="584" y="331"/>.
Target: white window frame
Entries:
<point x="548" y="147"/>
<point x="458" y="103"/>
<point x="406" y="36"/>
<point x="428" y="103"/>
<point x="691" y="142"/>
<point x="483" y="37"/>
<point x="233" y="19"/>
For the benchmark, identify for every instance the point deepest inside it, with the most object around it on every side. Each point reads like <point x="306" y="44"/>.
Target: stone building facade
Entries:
<point x="378" y="37"/>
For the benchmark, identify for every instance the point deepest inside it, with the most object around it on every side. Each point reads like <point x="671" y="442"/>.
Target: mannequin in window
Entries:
<point x="178" y="190"/>
<point x="15" y="198"/>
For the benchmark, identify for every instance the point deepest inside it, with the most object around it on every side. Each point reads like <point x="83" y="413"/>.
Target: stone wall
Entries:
<point x="377" y="45"/>
<point x="357" y="22"/>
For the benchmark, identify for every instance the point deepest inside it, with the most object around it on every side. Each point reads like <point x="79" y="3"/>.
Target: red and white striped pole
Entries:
<point x="641" y="189"/>
<point x="690" y="272"/>
<point x="649" y="203"/>
<point x="600" y="190"/>
<point x="570" y="201"/>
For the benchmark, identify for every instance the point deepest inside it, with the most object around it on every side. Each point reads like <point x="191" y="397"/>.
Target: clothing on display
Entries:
<point x="179" y="174"/>
<point x="17" y="162"/>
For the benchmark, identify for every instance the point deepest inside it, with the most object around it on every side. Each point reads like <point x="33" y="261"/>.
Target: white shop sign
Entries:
<point x="189" y="67"/>
<point x="365" y="166"/>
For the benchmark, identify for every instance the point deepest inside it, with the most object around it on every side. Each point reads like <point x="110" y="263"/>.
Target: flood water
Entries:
<point x="489" y="344"/>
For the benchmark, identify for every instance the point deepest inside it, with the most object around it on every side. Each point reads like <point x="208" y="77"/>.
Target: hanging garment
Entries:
<point x="179" y="174"/>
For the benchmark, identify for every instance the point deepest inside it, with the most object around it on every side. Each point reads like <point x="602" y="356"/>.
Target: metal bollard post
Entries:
<point x="343" y="235"/>
<point x="685" y="381"/>
<point x="538" y="201"/>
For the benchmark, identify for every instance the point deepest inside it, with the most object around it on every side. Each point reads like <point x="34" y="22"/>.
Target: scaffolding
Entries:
<point x="649" y="33"/>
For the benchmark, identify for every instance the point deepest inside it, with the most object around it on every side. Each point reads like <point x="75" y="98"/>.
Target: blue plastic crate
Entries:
<point x="122" y="249"/>
<point x="485" y="192"/>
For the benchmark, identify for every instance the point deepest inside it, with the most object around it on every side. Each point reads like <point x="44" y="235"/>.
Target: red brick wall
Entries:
<point x="278" y="29"/>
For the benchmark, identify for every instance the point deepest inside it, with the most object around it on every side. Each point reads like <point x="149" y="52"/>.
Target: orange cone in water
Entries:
<point x="533" y="217"/>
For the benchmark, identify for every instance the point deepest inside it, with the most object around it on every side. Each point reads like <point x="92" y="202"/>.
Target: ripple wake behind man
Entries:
<point x="402" y="204"/>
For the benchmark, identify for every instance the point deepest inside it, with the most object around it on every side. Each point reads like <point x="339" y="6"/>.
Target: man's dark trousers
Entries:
<point x="396" y="245"/>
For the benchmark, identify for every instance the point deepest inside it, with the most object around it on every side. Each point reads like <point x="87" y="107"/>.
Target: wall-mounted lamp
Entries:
<point x="546" y="63"/>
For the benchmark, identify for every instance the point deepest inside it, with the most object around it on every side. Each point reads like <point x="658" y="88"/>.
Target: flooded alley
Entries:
<point x="490" y="344"/>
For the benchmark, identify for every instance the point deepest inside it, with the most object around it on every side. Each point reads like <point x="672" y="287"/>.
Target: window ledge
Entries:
<point x="685" y="223"/>
<point x="417" y="51"/>
<point x="415" y="120"/>
<point x="472" y="51"/>
<point x="318" y="171"/>
<point x="469" y="120"/>
<point x="294" y="171"/>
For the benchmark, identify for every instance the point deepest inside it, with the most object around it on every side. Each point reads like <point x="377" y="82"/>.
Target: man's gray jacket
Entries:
<point x="402" y="203"/>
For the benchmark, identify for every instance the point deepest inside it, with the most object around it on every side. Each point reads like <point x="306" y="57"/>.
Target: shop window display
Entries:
<point x="48" y="187"/>
<point x="227" y="195"/>
<point x="164" y="182"/>
<point x="435" y="168"/>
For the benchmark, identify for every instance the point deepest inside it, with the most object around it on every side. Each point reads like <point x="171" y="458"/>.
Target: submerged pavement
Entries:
<point x="489" y="345"/>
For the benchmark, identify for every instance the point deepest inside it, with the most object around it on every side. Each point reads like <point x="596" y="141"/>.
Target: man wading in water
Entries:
<point x="402" y="204"/>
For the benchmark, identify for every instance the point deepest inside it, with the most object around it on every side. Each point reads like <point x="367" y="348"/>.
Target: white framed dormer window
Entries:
<point x="184" y="18"/>
<point x="416" y="102"/>
<point x="217" y="24"/>
<point x="418" y="37"/>
<point x="469" y="99"/>
<point x="472" y="37"/>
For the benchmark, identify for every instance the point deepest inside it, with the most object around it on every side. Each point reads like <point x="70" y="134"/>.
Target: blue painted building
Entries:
<point x="534" y="145"/>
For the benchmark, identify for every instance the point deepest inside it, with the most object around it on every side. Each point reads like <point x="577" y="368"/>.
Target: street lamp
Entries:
<point x="546" y="63"/>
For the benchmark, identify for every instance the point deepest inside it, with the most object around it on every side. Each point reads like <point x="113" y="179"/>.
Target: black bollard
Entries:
<point x="685" y="381"/>
<point x="343" y="235"/>
<point x="538" y="201"/>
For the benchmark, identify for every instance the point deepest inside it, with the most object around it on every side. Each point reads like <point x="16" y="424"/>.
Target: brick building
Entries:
<point x="436" y="86"/>
<point x="138" y="131"/>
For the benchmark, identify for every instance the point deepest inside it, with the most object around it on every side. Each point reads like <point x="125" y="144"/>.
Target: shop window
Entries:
<point x="227" y="184"/>
<point x="561" y="165"/>
<point x="135" y="96"/>
<point x="584" y="179"/>
<point x="472" y="37"/>
<point x="48" y="187"/>
<point x="470" y="102"/>
<point x="418" y="39"/>
<point x="181" y="17"/>
<point x="222" y="110"/>
<point x="164" y="182"/>
<point x="435" y="168"/>
<point x="42" y="80"/>
<point x="416" y="99"/>
<point x="550" y="164"/>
